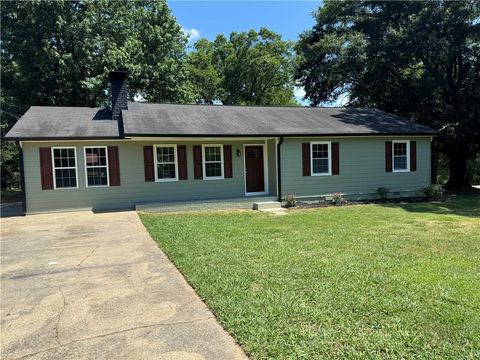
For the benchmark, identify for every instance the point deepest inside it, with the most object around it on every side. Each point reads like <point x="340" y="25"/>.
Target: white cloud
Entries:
<point x="192" y="34"/>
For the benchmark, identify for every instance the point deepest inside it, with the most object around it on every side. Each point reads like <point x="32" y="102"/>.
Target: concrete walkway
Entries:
<point x="96" y="286"/>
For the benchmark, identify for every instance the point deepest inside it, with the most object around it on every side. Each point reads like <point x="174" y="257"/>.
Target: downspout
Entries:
<point x="22" y="177"/>
<point x="279" y="172"/>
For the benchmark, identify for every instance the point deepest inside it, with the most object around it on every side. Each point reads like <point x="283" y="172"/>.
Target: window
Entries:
<point x="212" y="162"/>
<point x="401" y="158"/>
<point x="166" y="167"/>
<point x="320" y="155"/>
<point x="64" y="167"/>
<point x="96" y="166"/>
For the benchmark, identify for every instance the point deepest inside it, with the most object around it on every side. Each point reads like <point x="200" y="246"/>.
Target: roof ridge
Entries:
<point x="248" y="106"/>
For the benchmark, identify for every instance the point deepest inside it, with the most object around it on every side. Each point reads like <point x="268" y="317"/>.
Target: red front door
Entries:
<point x="254" y="173"/>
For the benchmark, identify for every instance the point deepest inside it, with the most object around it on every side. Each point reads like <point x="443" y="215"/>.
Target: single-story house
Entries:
<point x="109" y="158"/>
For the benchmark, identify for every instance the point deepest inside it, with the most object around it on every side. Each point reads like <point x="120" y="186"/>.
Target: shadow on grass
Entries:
<point x="465" y="203"/>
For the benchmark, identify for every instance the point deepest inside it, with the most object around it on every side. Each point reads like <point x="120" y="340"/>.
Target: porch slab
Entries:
<point x="204" y="205"/>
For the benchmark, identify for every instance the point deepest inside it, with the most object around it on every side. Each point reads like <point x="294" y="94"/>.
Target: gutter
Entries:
<point x="279" y="173"/>
<point x="22" y="178"/>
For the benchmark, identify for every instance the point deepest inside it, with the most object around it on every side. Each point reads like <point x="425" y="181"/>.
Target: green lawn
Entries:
<point x="363" y="281"/>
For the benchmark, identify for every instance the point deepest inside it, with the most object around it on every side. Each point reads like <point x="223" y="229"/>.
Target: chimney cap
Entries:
<point x="118" y="74"/>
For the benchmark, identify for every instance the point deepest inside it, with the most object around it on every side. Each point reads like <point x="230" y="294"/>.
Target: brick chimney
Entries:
<point x="119" y="92"/>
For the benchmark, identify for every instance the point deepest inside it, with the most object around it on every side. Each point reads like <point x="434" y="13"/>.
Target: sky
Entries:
<point x="207" y="19"/>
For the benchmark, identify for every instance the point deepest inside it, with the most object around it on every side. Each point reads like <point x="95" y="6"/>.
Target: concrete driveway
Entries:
<point x="96" y="286"/>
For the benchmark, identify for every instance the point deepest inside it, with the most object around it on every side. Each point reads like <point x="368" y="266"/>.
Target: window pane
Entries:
<point x="319" y="151"/>
<point x="65" y="178"/>
<point x="95" y="156"/>
<point x="165" y="154"/>
<point x="400" y="162"/>
<point x="97" y="176"/>
<point x="166" y="171"/>
<point x="64" y="157"/>
<point x="213" y="169"/>
<point x="213" y="153"/>
<point x="320" y="166"/>
<point x="400" y="149"/>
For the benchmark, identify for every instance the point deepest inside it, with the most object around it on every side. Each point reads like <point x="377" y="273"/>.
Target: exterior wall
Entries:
<point x="362" y="169"/>
<point x="272" y="166"/>
<point x="133" y="187"/>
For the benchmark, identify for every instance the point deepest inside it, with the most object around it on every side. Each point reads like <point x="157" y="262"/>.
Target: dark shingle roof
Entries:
<point x="183" y="120"/>
<point x="144" y="119"/>
<point x="54" y="122"/>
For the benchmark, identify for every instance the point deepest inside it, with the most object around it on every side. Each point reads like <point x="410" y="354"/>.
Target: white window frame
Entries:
<point x="95" y="166"/>
<point x="407" y="142"/>
<point x="205" y="177"/>
<point x="155" y="147"/>
<point x="69" y="167"/>
<point x="329" y="143"/>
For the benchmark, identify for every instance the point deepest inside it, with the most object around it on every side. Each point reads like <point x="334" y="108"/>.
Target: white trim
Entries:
<point x="85" y="166"/>
<point x="54" y="168"/>
<point x="156" y="162"/>
<point x="329" y="143"/>
<point x="205" y="177"/>
<point x="265" y="170"/>
<point x="408" y="155"/>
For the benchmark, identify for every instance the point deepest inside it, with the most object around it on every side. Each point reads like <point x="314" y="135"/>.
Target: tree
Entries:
<point x="417" y="59"/>
<point x="60" y="53"/>
<point x="250" y="68"/>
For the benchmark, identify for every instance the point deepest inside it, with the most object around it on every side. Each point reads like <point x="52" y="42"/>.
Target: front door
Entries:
<point x="254" y="174"/>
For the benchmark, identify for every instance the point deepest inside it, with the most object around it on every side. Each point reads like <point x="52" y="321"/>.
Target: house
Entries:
<point x="98" y="158"/>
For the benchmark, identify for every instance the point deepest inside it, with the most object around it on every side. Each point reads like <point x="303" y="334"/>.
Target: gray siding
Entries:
<point x="362" y="169"/>
<point x="133" y="187"/>
<point x="272" y="166"/>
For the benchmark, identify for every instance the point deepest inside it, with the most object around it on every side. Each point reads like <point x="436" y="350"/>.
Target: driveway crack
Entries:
<point x="86" y="257"/>
<point x="59" y="317"/>
<point x="60" y="345"/>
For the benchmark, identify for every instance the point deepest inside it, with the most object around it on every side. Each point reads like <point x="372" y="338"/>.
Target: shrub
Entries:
<point x="433" y="192"/>
<point x="383" y="192"/>
<point x="337" y="199"/>
<point x="290" y="201"/>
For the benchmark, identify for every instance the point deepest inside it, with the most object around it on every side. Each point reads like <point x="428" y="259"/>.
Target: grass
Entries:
<point x="363" y="281"/>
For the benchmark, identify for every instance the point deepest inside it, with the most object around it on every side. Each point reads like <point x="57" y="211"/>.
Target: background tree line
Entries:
<point x="416" y="59"/>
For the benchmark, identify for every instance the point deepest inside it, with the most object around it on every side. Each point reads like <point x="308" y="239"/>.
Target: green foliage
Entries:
<point x="393" y="281"/>
<point x="474" y="169"/>
<point x="290" y="201"/>
<point x="416" y="59"/>
<point x="250" y="68"/>
<point x="433" y="192"/>
<point x="60" y="52"/>
<point x="383" y="192"/>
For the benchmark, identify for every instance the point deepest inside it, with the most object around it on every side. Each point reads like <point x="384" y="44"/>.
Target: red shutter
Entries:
<point x="227" y="161"/>
<point x="413" y="156"/>
<point x="46" y="168"/>
<point x="197" y="162"/>
<point x="306" y="159"/>
<point x="148" y="163"/>
<point x="335" y="158"/>
<point x="388" y="156"/>
<point x="113" y="166"/>
<point x="182" y="162"/>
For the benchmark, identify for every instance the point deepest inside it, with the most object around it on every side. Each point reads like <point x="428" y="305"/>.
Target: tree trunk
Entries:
<point x="458" y="171"/>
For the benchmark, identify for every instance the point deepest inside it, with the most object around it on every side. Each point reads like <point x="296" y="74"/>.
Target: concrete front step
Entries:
<point x="265" y="205"/>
